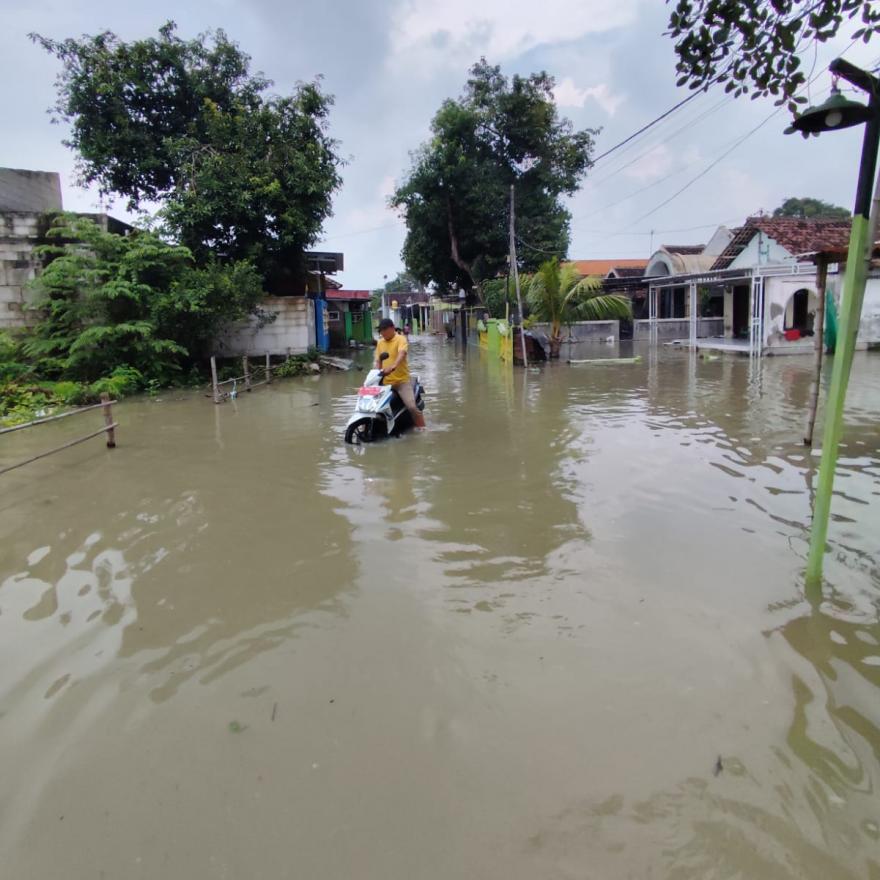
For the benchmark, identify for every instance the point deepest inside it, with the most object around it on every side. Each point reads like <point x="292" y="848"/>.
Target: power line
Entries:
<point x="651" y="124"/>
<point x="726" y="100"/>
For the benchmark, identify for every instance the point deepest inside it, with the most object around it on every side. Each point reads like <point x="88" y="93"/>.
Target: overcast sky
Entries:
<point x="390" y="63"/>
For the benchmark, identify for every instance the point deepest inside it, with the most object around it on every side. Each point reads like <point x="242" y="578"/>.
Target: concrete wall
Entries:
<point x="869" y="328"/>
<point x="761" y="251"/>
<point x="584" y="331"/>
<point x="20" y="233"/>
<point x="293" y="330"/>
<point x="678" y="328"/>
<point x="35" y="192"/>
<point x="778" y="309"/>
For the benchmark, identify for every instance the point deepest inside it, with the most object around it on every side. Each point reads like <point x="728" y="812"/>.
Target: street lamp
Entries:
<point x="836" y="113"/>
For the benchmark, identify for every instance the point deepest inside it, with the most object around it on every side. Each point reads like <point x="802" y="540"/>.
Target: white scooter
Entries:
<point x="379" y="411"/>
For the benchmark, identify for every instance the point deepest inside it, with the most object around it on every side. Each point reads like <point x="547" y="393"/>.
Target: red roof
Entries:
<point x="799" y="237"/>
<point x="347" y="295"/>
<point x="603" y="267"/>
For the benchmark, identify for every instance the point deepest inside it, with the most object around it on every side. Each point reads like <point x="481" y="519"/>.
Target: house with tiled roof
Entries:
<point x="753" y="288"/>
<point x="601" y="268"/>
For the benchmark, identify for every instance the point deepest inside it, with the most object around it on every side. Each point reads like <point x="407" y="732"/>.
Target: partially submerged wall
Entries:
<point x="677" y="328"/>
<point x="291" y="332"/>
<point x="584" y="331"/>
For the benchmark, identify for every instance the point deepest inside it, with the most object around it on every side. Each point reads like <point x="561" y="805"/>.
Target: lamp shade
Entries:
<point x="834" y="113"/>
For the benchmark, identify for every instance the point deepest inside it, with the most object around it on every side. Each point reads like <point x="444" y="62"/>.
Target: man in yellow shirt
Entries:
<point x="395" y="368"/>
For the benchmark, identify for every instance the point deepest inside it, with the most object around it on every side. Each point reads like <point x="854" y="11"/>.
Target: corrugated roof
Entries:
<point x="603" y="267"/>
<point x="798" y="237"/>
<point x="629" y="271"/>
<point x="353" y="295"/>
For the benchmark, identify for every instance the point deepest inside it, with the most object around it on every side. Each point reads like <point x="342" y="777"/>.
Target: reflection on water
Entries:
<point x="562" y="634"/>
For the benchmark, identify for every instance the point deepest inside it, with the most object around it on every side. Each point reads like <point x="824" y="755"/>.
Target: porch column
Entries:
<point x="693" y="315"/>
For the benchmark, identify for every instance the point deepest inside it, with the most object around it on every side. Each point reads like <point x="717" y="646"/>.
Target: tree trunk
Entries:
<point x="555" y="346"/>
<point x="456" y="257"/>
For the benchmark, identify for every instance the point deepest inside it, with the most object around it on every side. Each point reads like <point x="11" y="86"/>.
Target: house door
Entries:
<point x="322" y="334"/>
<point x="740" y="312"/>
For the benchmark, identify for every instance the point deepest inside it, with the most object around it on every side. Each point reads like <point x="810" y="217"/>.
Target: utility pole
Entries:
<point x="522" y="329"/>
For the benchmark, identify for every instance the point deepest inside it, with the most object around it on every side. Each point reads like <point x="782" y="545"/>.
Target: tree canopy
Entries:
<point x="807" y="208"/>
<point x="456" y="196"/>
<point x="757" y="46"/>
<point x="240" y="173"/>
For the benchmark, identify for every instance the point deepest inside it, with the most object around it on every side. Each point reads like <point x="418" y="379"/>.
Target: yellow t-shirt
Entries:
<point x="394" y="347"/>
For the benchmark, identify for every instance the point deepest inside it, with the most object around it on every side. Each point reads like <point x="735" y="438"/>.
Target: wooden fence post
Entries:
<point x="247" y="373"/>
<point x="214" y="386"/>
<point x="108" y="420"/>
<point x="268" y="370"/>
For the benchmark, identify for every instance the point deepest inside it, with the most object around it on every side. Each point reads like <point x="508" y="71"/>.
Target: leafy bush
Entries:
<point x="12" y="365"/>
<point x="134" y="300"/>
<point x="297" y="365"/>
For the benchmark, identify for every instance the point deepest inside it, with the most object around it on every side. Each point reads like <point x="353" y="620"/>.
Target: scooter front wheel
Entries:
<point x="359" y="432"/>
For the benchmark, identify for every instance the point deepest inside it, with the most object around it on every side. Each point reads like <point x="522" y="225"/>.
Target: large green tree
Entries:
<point x="456" y="196"/>
<point x="758" y="47"/>
<point x="240" y="173"/>
<point x="807" y="208"/>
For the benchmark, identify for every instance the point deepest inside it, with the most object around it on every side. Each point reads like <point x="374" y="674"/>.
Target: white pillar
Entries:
<point x="693" y="315"/>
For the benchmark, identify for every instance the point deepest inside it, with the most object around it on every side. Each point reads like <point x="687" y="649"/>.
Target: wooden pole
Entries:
<point x="33" y="458"/>
<point x="268" y="370"/>
<point x="215" y="387"/>
<point x="43" y="421"/>
<point x="247" y="374"/>
<point x="819" y="341"/>
<point x="108" y="420"/>
<point x="522" y="329"/>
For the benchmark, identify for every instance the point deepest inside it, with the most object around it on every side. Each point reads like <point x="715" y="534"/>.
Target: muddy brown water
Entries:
<point x="514" y="647"/>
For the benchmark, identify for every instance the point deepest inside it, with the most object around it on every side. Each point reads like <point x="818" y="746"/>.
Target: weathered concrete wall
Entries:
<point x="37" y="192"/>
<point x="292" y="331"/>
<point x="584" y="331"/>
<point x="20" y="233"/>
<point x="678" y="328"/>
<point x="869" y="328"/>
<point x="778" y="310"/>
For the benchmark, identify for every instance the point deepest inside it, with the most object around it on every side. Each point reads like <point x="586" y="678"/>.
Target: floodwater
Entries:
<point x="563" y="634"/>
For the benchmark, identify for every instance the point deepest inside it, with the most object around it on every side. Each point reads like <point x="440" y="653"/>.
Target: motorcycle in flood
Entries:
<point x="379" y="411"/>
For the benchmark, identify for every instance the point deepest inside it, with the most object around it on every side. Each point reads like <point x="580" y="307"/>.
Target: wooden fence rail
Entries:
<point x="109" y="429"/>
<point x="246" y="377"/>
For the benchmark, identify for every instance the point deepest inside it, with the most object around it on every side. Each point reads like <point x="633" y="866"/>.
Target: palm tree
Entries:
<point x="558" y="295"/>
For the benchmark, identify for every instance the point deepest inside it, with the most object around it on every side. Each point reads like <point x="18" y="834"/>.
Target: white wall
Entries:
<point x="761" y="251"/>
<point x="778" y="306"/>
<point x="869" y="327"/>
<point x="718" y="242"/>
<point x="293" y="329"/>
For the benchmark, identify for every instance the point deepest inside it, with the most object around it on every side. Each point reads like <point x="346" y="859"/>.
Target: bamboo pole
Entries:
<point x="522" y="328"/>
<point x="247" y="373"/>
<point x="110" y="425"/>
<point x="214" y="384"/>
<point x="64" y="415"/>
<point x="819" y="331"/>
<point x="19" y="464"/>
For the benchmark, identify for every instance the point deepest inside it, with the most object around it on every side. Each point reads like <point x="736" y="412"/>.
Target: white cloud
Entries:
<point x="653" y="164"/>
<point x="499" y="28"/>
<point x="567" y="94"/>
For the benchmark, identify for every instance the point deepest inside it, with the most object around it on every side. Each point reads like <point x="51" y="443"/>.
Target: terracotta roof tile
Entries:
<point x="603" y="267"/>
<point x="798" y="237"/>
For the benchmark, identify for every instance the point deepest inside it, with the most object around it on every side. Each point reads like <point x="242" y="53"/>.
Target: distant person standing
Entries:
<point x="396" y="372"/>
